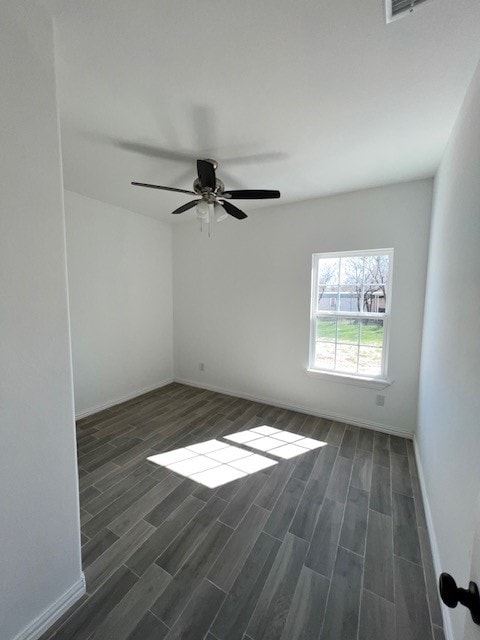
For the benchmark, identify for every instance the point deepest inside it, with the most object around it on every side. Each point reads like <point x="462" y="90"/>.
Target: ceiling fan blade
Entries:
<point x="153" y="151"/>
<point x="233" y="210"/>
<point x="186" y="207"/>
<point x="251" y="194"/>
<point x="206" y="174"/>
<point x="156" y="186"/>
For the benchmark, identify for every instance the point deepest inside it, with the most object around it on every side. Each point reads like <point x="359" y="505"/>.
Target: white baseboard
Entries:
<point x="301" y="409"/>
<point x="128" y="396"/>
<point x="447" y="623"/>
<point x="41" y="624"/>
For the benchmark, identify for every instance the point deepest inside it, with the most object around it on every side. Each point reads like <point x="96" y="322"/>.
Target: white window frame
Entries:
<point x="379" y="381"/>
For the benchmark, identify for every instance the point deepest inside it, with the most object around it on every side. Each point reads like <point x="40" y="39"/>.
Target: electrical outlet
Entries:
<point x="201" y="366"/>
<point x="380" y="400"/>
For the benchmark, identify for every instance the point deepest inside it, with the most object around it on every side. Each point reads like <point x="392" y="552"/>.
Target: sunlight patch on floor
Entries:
<point x="214" y="463"/>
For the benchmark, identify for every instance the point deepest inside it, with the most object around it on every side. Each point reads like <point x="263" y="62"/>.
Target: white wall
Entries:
<point x="40" y="568"/>
<point x="120" y="281"/>
<point x="242" y="300"/>
<point x="448" y="435"/>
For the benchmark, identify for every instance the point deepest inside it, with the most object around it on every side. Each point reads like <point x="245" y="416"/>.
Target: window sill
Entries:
<point x="359" y="381"/>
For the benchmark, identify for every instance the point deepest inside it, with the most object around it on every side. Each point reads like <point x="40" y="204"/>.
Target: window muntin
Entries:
<point x="350" y="312"/>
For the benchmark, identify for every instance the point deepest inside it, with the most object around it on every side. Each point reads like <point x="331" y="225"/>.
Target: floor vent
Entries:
<point x="399" y="8"/>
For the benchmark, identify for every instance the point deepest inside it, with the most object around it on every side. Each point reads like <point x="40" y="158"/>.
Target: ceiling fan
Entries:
<point x="212" y="195"/>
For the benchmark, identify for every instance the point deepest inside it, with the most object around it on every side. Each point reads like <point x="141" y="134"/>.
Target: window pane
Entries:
<point x="327" y="329"/>
<point x="348" y="331"/>
<point x="376" y="269"/>
<point x="328" y="270"/>
<point x="371" y="332"/>
<point x="325" y="355"/>
<point x="370" y="361"/>
<point x="327" y="297"/>
<point x="374" y="298"/>
<point x="376" y="281"/>
<point x="350" y="297"/>
<point x="347" y="355"/>
<point x="351" y="271"/>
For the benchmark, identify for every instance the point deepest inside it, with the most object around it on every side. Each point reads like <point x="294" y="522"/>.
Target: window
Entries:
<point x="350" y="311"/>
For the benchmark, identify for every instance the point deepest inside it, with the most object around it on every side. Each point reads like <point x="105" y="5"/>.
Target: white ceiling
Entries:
<point x="312" y="96"/>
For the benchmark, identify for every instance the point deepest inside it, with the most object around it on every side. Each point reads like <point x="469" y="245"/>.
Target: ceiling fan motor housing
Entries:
<point x="207" y="194"/>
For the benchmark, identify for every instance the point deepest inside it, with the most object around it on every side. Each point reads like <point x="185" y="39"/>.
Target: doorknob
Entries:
<point x="452" y="595"/>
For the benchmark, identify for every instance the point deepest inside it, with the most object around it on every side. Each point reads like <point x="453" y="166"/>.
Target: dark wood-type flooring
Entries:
<point x="331" y="545"/>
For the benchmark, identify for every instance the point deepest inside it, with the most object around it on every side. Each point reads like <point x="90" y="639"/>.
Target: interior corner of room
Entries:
<point x="104" y="300"/>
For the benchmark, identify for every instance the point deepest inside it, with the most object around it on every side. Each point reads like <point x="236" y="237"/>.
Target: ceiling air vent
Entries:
<point x="399" y="8"/>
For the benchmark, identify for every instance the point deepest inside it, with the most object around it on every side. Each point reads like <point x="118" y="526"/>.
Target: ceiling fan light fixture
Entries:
<point x="202" y="211"/>
<point x="220" y="213"/>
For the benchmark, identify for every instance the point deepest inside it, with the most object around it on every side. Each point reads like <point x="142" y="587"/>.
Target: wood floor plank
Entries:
<point x="401" y="481"/>
<point x="377" y="618"/>
<point x="340" y="479"/>
<point x="405" y="534"/>
<point x="112" y="455"/>
<point x="113" y="510"/>
<point x="398" y="445"/>
<point x="380" y="492"/>
<point x="362" y="470"/>
<point x="229" y="563"/>
<point x="191" y="535"/>
<point x="323" y="545"/>
<point x="118" y="473"/>
<point x="101" y="454"/>
<point x="84" y="518"/>
<point x="176" y="596"/>
<point x="96" y="546"/>
<point x="164" y="535"/>
<point x="282" y="513"/>
<point x="161" y="511"/>
<point x="417" y="498"/>
<point x="305" y="518"/>
<point x="274" y="485"/>
<point x="149" y="628"/>
<point x="242" y="501"/>
<point x="122" y="620"/>
<point x="86" y="619"/>
<point x="438" y="633"/>
<point x="93" y="477"/>
<point x="197" y="618"/>
<point x="349" y="443"/>
<point x="234" y="615"/>
<point x="381" y="450"/>
<point x="430" y="578"/>
<point x="106" y="498"/>
<point x="343" y="605"/>
<point x="307" y="610"/>
<point x="412" y="620"/>
<point x="365" y="440"/>
<point x="143" y="505"/>
<point x="273" y="606"/>
<point x="354" y="528"/>
<point x="335" y="433"/>
<point x="321" y="427"/>
<point x="378" y="574"/>
<point x="411" y="458"/>
<point x="305" y="464"/>
<point x="88" y="494"/>
<point x="99" y="571"/>
<point x="229" y="490"/>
